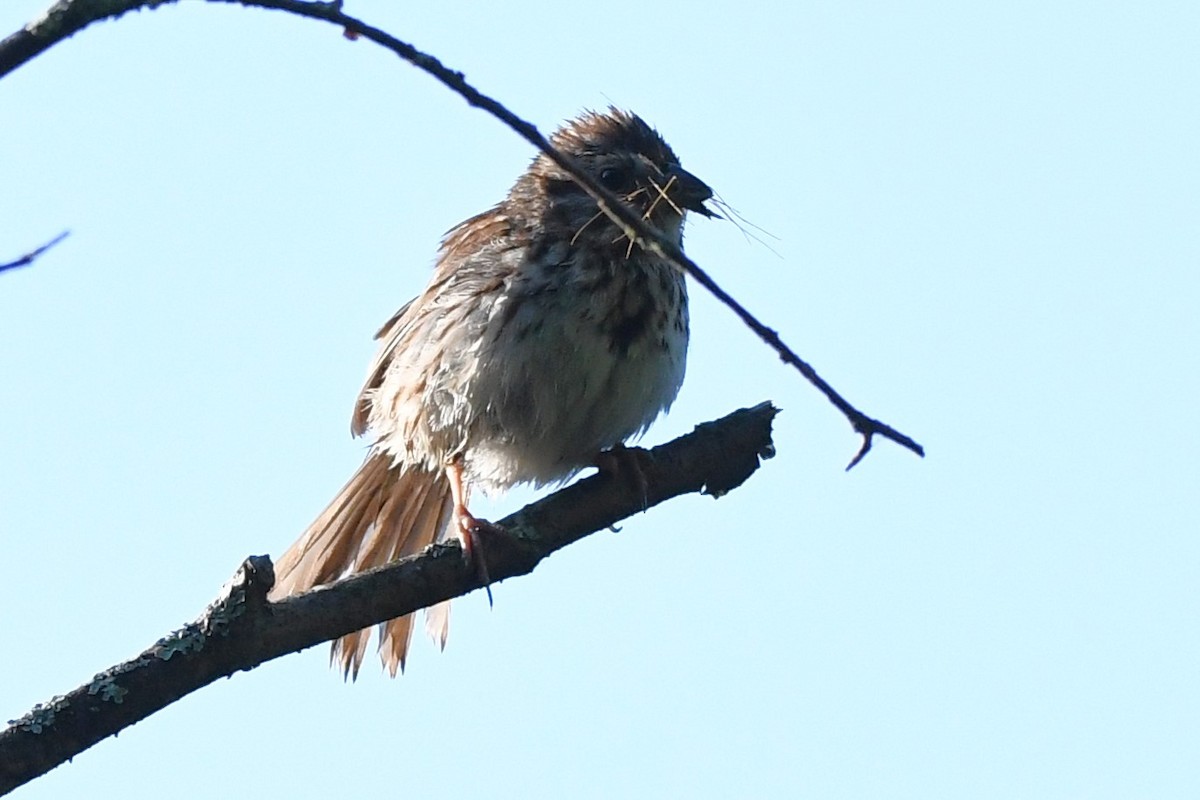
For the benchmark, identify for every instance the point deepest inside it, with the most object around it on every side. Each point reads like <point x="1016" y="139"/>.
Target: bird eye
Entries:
<point x="612" y="178"/>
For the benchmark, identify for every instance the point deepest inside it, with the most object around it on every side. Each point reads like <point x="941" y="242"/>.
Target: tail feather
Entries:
<point x="437" y="623"/>
<point x="383" y="513"/>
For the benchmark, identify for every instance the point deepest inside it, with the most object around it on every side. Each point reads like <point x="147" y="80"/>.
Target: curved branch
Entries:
<point x="68" y="16"/>
<point x="62" y="20"/>
<point x="241" y="629"/>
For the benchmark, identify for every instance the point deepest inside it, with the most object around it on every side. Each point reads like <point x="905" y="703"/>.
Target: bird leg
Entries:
<point x="469" y="528"/>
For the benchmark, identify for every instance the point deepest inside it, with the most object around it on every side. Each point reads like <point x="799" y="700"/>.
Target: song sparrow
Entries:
<point x="543" y="338"/>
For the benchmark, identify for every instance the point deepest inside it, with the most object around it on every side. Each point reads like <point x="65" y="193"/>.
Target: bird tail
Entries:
<point x="384" y="512"/>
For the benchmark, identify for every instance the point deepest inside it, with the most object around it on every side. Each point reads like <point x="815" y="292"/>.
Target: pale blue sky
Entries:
<point x="987" y="220"/>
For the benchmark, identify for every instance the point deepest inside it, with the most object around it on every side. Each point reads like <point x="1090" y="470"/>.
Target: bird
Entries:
<point x="544" y="339"/>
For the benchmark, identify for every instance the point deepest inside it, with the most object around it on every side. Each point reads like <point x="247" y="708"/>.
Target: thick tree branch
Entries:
<point x="68" y="16"/>
<point x="241" y="629"/>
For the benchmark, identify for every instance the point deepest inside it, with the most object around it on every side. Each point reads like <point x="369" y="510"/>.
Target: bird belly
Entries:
<point x="569" y="378"/>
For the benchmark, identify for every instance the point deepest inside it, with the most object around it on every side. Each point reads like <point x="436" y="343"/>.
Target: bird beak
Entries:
<point x="689" y="191"/>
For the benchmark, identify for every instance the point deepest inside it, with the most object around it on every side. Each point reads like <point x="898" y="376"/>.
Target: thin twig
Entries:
<point x="28" y="258"/>
<point x="66" y="16"/>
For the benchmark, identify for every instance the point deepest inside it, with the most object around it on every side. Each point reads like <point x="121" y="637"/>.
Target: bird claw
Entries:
<point x="471" y="534"/>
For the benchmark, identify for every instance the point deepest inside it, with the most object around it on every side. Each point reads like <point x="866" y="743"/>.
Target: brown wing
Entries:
<point x="461" y="241"/>
<point x="387" y="336"/>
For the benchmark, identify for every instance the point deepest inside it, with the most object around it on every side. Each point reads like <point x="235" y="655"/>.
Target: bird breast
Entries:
<point x="580" y="352"/>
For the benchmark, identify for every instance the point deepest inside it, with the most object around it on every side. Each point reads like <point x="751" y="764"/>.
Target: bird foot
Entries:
<point x="472" y="531"/>
<point x="627" y="463"/>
